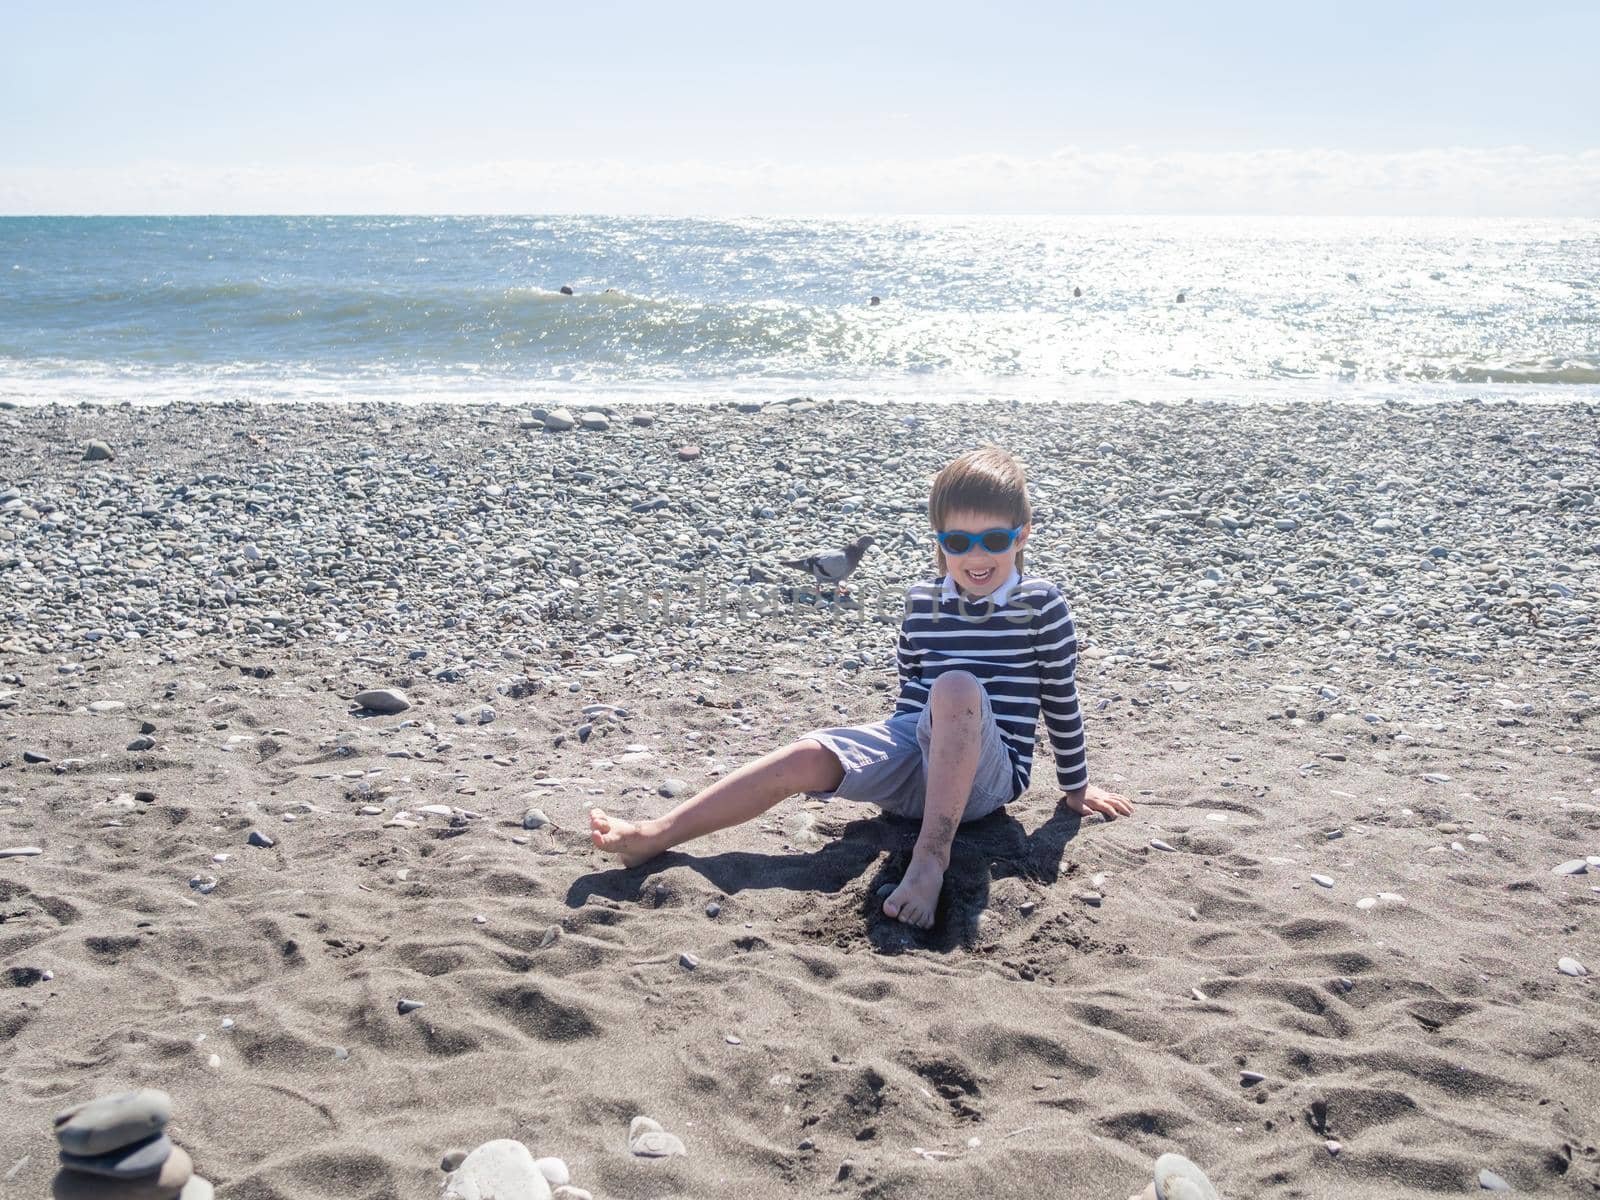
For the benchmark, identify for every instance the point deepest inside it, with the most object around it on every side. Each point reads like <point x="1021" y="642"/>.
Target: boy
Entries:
<point x="981" y="653"/>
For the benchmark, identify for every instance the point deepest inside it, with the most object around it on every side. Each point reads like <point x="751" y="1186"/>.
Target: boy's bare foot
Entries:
<point x="633" y="844"/>
<point x="917" y="898"/>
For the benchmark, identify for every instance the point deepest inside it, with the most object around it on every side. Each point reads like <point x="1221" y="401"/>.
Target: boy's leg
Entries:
<point x="803" y="766"/>
<point x="956" y="704"/>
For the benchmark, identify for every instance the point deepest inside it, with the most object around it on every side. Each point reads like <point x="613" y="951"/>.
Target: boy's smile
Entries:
<point x="979" y="571"/>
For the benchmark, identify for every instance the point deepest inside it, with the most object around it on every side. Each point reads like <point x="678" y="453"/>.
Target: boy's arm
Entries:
<point x="1055" y="643"/>
<point x="908" y="666"/>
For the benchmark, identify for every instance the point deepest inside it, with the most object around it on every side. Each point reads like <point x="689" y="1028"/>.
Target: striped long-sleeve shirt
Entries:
<point x="1020" y="643"/>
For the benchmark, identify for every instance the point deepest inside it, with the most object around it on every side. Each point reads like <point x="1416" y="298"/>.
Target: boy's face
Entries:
<point x="979" y="572"/>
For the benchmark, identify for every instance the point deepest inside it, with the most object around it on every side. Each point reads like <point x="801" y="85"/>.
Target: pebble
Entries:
<point x="535" y="818"/>
<point x="554" y="1170"/>
<point x="1158" y="844"/>
<point x="103" y="707"/>
<point x="713" y="909"/>
<point x="577" y="1193"/>
<point x="97" y="451"/>
<point x="408" y="1006"/>
<point x="1322" y="880"/>
<point x="671" y="787"/>
<point x="20" y="852"/>
<point x="885" y="890"/>
<point x="1576" y="866"/>
<point x="257" y="838"/>
<point x="688" y="961"/>
<point x="1490" y="1182"/>
<point x="451" y="1160"/>
<point x="1366" y="902"/>
<point x="142" y="743"/>
<point x="1246" y="1078"/>
<point x="1435" y="777"/>
<point x="1092" y="899"/>
<point x="171" y="1179"/>
<point x="1176" y="1178"/>
<point x="111" y="1122"/>
<point x="383" y="700"/>
<point x="647" y="1139"/>
<point x="499" y="1170"/>
<point x="1571" y="966"/>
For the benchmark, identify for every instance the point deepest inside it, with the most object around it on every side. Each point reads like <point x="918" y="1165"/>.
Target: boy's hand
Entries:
<point x="1090" y="799"/>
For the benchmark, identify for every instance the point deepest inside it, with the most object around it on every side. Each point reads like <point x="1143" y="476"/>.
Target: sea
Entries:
<point x="1045" y="309"/>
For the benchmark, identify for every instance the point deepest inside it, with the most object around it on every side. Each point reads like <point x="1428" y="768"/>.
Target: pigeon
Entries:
<point x="832" y="566"/>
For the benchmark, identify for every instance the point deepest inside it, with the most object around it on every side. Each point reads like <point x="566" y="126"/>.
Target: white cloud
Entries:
<point x="1503" y="181"/>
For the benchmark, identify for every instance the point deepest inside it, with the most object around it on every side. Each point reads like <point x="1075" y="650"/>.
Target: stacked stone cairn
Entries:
<point x="117" y="1148"/>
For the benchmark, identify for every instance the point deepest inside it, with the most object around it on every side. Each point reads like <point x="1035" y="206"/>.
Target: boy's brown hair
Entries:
<point x="985" y="480"/>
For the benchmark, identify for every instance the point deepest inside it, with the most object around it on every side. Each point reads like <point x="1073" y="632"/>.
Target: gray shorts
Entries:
<point x="886" y="763"/>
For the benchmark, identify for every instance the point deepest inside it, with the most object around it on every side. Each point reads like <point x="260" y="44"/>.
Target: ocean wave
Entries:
<point x="1036" y="301"/>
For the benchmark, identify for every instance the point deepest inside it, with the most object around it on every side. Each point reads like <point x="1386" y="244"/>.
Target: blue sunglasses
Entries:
<point x="995" y="541"/>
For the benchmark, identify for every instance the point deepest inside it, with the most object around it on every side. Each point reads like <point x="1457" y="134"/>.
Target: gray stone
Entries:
<point x="688" y="961"/>
<point x="408" y="1006"/>
<point x="1571" y="966"/>
<point x="35" y="756"/>
<point x="535" y="818"/>
<point x="125" y="1162"/>
<point x="167" y="1182"/>
<point x="594" y="420"/>
<point x="142" y="743"/>
<point x="1158" y="844"/>
<point x="111" y="1122"/>
<point x="1247" y="1078"/>
<point x="558" y="419"/>
<point x="97" y="451"/>
<point x="451" y="1160"/>
<point x="1576" y="866"/>
<point x="197" y="1189"/>
<point x="647" y="1139"/>
<point x="257" y="838"/>
<point x="672" y="787"/>
<point x="21" y="852"/>
<point x="1490" y="1182"/>
<point x="1322" y="880"/>
<point x="383" y="700"/>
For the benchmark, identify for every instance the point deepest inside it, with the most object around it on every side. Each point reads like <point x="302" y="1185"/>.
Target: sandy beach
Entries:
<point x="1343" y="659"/>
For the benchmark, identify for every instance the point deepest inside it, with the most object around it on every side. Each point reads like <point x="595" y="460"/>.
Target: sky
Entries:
<point x="1330" y="108"/>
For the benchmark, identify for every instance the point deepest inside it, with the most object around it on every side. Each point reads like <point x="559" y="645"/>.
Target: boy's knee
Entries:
<point x="955" y="687"/>
<point x="822" y="767"/>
